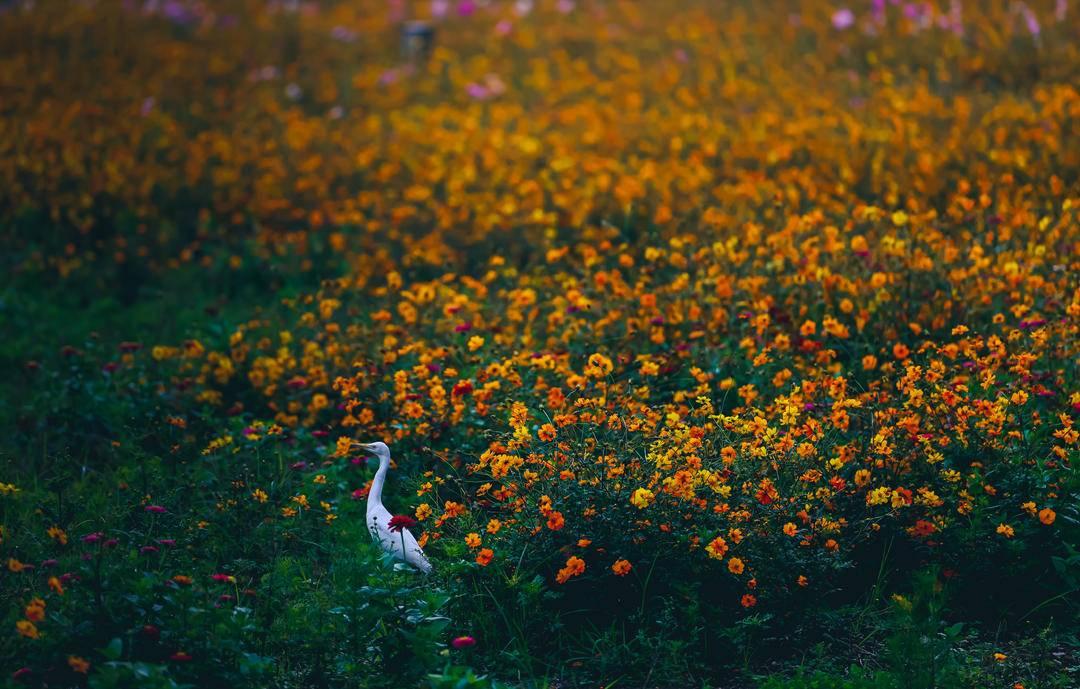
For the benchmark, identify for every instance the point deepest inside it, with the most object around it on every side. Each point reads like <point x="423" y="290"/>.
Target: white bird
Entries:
<point x="400" y="542"/>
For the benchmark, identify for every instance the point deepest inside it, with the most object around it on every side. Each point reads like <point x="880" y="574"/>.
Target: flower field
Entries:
<point x="716" y="344"/>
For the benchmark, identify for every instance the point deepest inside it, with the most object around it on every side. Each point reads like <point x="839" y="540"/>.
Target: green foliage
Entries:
<point x="856" y="678"/>
<point x="921" y="647"/>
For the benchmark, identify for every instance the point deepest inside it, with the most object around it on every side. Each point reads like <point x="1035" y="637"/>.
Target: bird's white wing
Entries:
<point x="414" y="555"/>
<point x="378" y="522"/>
<point x="402" y="545"/>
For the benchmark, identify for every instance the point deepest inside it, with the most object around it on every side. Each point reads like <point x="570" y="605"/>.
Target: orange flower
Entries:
<point x="1047" y="516"/>
<point x="473" y="540"/>
<point x="26" y="628"/>
<point x="483" y="558"/>
<point x="35" y="610"/>
<point x="748" y="600"/>
<point x="555" y="520"/>
<point x="575" y="566"/>
<point x="621" y="568"/>
<point x="736" y="566"/>
<point x="790" y="529"/>
<point x="717" y="548"/>
<point x="900" y="351"/>
<point x="493" y="526"/>
<point x="80" y="665"/>
<point x="546" y="433"/>
<point x="1005" y="530"/>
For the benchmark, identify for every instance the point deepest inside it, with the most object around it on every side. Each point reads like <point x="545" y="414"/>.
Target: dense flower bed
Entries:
<point x="658" y="326"/>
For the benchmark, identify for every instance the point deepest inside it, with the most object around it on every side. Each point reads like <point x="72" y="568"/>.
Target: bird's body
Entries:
<point x="399" y="542"/>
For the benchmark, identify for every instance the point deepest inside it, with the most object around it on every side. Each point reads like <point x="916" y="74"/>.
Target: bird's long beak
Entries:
<point x="362" y="446"/>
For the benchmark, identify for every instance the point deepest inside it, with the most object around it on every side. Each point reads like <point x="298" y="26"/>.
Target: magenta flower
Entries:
<point x="401" y="521"/>
<point x="463" y="642"/>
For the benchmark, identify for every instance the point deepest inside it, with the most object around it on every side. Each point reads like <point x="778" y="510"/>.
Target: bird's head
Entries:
<point x="377" y="448"/>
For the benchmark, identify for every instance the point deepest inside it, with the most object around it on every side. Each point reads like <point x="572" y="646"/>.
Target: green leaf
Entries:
<point x="114" y="650"/>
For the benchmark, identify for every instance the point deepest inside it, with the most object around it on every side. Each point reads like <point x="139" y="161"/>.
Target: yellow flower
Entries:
<point x="1005" y="530"/>
<point x="475" y="343"/>
<point x="642" y="498"/>
<point x="473" y="540"/>
<point x="598" y="366"/>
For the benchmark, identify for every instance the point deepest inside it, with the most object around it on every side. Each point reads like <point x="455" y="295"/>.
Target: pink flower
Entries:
<point x="476" y="91"/>
<point x="843" y="19"/>
<point x="156" y="509"/>
<point x="463" y="642"/>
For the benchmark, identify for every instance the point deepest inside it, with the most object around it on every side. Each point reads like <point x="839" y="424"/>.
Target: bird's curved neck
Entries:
<point x="375" y="494"/>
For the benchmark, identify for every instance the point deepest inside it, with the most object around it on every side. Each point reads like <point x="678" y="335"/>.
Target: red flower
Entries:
<point x="401" y="521"/>
<point x="463" y="642"/>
